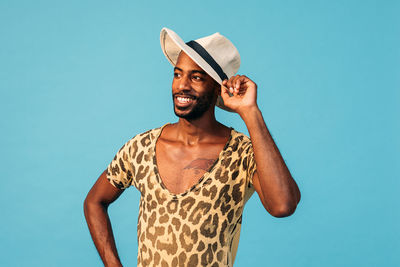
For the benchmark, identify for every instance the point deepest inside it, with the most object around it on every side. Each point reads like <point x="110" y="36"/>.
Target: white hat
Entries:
<point x="215" y="54"/>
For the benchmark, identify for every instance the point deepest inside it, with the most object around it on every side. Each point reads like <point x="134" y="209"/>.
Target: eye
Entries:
<point x="197" y="78"/>
<point x="176" y="75"/>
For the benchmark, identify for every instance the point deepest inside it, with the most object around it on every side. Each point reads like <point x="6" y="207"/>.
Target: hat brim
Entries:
<point x="172" y="45"/>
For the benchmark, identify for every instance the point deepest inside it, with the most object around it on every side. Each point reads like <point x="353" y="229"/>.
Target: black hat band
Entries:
<point x="208" y="58"/>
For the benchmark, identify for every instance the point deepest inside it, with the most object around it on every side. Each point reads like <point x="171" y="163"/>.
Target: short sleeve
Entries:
<point x="120" y="171"/>
<point x="251" y="163"/>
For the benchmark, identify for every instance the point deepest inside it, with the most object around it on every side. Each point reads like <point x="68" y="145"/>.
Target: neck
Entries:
<point x="193" y="131"/>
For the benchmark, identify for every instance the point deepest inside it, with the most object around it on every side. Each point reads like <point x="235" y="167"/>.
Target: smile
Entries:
<point x="184" y="101"/>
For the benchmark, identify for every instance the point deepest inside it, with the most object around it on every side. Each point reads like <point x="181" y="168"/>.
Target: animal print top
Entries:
<point x="200" y="227"/>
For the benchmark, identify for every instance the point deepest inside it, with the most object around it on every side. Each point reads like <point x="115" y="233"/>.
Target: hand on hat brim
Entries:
<point x="239" y="93"/>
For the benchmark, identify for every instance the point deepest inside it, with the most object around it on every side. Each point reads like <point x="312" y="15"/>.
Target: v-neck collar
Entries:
<point x="201" y="179"/>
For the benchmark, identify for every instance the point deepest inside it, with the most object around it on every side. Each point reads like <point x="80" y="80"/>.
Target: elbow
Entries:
<point x="283" y="210"/>
<point x="86" y="205"/>
<point x="91" y="208"/>
<point x="89" y="203"/>
<point x="93" y="203"/>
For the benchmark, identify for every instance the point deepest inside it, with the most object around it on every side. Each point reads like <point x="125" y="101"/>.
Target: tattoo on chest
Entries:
<point x="200" y="164"/>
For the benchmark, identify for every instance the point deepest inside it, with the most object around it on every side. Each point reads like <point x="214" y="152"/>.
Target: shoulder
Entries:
<point x="142" y="140"/>
<point x="240" y="143"/>
<point x="240" y="139"/>
<point x="148" y="136"/>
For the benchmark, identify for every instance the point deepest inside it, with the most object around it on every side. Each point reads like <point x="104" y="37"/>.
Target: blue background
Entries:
<point x="80" y="78"/>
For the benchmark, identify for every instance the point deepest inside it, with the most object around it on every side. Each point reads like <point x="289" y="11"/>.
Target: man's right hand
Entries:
<point x="95" y="206"/>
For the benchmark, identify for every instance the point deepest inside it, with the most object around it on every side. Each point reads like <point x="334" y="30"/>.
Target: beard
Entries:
<point x="197" y="109"/>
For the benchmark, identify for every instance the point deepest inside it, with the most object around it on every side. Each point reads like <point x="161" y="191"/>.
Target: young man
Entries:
<point x="195" y="175"/>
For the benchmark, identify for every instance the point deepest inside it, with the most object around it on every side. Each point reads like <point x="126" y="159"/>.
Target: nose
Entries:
<point x="184" y="83"/>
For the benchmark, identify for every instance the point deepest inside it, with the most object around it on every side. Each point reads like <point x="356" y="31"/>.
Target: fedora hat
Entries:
<point x="215" y="54"/>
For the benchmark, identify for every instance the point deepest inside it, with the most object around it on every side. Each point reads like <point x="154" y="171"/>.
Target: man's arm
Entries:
<point x="95" y="206"/>
<point x="273" y="182"/>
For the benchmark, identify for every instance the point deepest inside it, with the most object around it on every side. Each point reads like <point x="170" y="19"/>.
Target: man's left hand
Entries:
<point x="243" y="91"/>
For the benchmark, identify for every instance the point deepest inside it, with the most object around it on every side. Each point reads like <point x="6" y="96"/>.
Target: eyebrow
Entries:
<point x="192" y="71"/>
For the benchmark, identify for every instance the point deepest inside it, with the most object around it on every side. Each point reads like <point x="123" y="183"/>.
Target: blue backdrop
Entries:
<point x="80" y="78"/>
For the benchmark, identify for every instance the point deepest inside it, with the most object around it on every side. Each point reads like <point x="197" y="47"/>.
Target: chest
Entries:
<point x="180" y="167"/>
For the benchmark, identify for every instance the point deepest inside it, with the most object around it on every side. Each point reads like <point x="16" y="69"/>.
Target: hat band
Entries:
<point x="208" y="58"/>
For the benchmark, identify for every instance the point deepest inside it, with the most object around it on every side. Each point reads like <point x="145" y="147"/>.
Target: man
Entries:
<point x="195" y="175"/>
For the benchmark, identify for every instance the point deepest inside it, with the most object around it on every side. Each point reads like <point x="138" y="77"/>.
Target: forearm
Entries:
<point x="279" y="190"/>
<point x="101" y="231"/>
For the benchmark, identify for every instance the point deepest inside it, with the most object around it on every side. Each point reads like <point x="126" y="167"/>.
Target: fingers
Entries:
<point x="228" y="85"/>
<point x="224" y="91"/>
<point x="235" y="84"/>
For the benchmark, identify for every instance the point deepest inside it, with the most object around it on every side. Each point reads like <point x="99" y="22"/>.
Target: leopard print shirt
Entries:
<point x="200" y="227"/>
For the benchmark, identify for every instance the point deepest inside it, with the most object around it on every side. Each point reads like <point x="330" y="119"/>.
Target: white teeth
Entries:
<point x="183" y="99"/>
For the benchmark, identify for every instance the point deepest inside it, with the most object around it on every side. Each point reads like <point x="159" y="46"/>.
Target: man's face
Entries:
<point x="193" y="90"/>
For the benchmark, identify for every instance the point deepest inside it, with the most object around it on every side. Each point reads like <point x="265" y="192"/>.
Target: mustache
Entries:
<point x="185" y="94"/>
